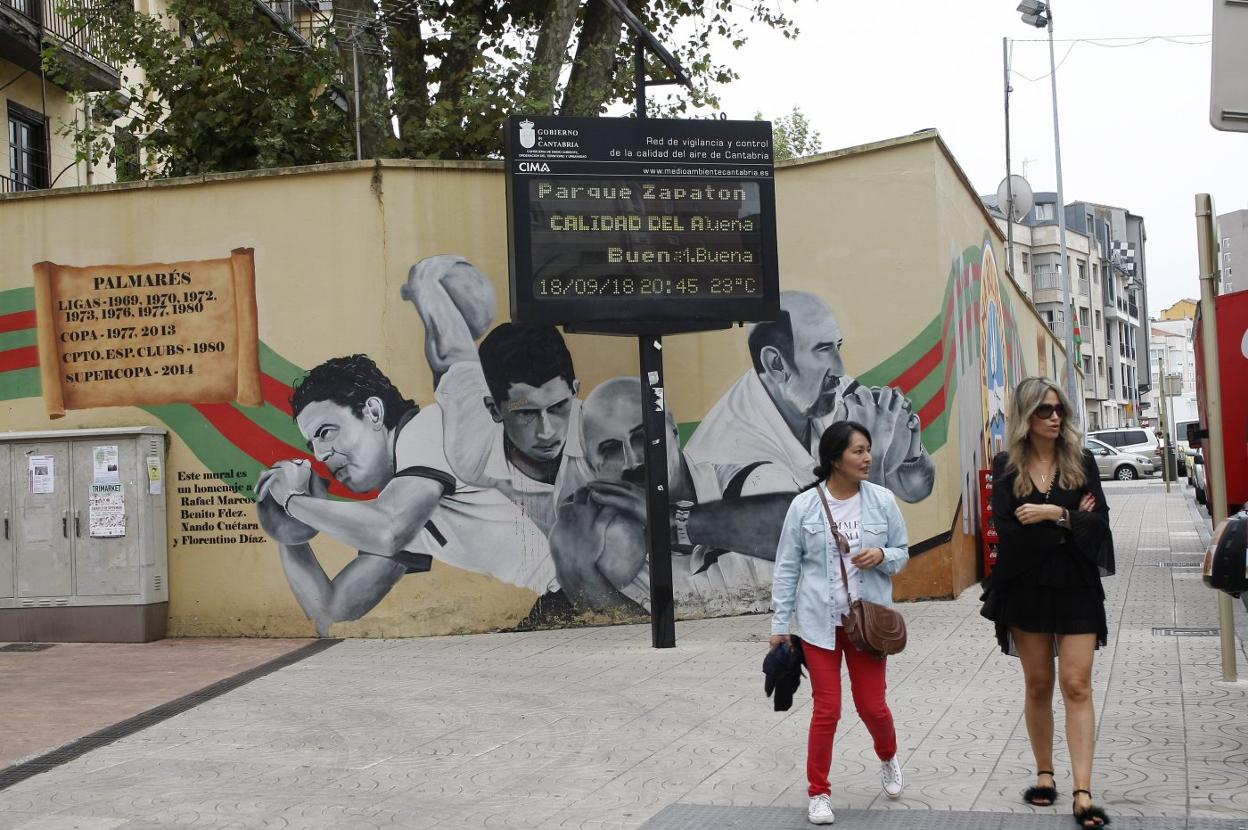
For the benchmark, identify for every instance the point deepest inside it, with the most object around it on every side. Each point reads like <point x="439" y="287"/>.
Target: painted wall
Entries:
<point x="913" y="304"/>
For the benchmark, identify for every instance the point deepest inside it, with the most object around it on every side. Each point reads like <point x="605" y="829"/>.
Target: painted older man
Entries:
<point x="796" y="387"/>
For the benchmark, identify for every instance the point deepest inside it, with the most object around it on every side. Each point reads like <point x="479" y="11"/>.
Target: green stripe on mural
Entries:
<point x="936" y="433"/>
<point x="275" y="422"/>
<point x="207" y="444"/>
<point x="686" y="430"/>
<point x="20" y="383"/>
<point x="909" y="354"/>
<point x="19" y="339"/>
<point x="278" y="367"/>
<point x="17" y="299"/>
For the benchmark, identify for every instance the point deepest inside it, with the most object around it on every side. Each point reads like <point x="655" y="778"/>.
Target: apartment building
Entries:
<point x="35" y="108"/>
<point x="1171" y="352"/>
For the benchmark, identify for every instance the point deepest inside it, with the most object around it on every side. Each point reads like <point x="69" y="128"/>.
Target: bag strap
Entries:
<point x="842" y="544"/>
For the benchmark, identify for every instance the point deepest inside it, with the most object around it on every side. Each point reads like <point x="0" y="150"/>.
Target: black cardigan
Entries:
<point x="1027" y="550"/>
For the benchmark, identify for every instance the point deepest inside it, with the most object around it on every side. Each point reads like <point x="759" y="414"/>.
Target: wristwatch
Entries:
<point x="1065" y="520"/>
<point x="681" y="522"/>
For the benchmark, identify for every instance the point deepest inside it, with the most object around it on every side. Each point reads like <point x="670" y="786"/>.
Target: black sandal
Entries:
<point x="1041" y="796"/>
<point x="1090" y="813"/>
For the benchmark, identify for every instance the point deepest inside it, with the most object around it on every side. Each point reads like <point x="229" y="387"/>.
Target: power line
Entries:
<point x="1103" y="42"/>
<point x="1098" y="40"/>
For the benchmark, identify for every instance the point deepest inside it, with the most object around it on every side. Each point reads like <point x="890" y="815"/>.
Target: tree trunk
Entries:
<point x="550" y="54"/>
<point x="355" y="26"/>
<point x="592" y="79"/>
<point x="465" y="24"/>
<point x="411" y="81"/>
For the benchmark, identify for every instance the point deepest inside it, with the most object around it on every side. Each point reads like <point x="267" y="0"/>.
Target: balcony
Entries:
<point x="309" y="20"/>
<point x="8" y="185"/>
<point x="24" y="24"/>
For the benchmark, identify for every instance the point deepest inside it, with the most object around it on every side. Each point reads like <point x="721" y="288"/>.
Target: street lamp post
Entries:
<point x="1040" y="14"/>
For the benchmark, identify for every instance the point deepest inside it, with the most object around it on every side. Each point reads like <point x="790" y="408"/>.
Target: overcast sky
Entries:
<point x="1134" y="120"/>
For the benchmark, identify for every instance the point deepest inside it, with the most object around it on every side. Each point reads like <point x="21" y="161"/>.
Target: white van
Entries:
<point x="1133" y="440"/>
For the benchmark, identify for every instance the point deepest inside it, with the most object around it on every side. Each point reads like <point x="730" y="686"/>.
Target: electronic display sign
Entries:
<point x="664" y="224"/>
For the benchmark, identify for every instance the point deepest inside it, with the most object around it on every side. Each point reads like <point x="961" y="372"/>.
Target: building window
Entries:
<point x="1026" y="263"/>
<point x="1045" y="212"/>
<point x="1096" y="315"/>
<point x="1096" y="271"/>
<point x="1100" y="366"/>
<point x="28" y="148"/>
<point x="125" y="155"/>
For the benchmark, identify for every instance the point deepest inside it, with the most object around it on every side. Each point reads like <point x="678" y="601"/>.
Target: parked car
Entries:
<point x="1198" y="477"/>
<point x="1131" y="440"/>
<point x="1119" y="465"/>
<point x="1182" y="450"/>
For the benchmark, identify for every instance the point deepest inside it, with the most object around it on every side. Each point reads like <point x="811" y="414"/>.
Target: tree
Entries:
<point x="211" y="87"/>
<point x="437" y="78"/>
<point x="792" y="136"/>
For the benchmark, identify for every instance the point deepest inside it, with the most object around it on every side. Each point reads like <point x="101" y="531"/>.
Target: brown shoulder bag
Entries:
<point x="872" y="628"/>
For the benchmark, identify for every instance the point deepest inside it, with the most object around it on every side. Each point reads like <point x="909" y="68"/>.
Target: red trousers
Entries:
<point x="867" y="685"/>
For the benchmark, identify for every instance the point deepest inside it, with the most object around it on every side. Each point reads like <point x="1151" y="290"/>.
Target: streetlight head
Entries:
<point x="1035" y="13"/>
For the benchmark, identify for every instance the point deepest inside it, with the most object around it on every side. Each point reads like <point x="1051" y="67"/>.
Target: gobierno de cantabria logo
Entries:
<point x="528" y="135"/>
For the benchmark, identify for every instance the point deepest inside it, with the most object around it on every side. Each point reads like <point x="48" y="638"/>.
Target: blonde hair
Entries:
<point x="1029" y="394"/>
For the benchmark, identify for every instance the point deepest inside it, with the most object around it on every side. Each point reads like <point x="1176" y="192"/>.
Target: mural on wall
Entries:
<point x="515" y="471"/>
<point x="990" y="364"/>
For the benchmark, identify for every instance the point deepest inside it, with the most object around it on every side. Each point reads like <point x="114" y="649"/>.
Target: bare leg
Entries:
<point x="1036" y="654"/>
<point x="1075" y="677"/>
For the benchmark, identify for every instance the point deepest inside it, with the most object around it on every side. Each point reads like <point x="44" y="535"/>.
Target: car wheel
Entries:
<point x="1200" y="496"/>
<point x="1125" y="473"/>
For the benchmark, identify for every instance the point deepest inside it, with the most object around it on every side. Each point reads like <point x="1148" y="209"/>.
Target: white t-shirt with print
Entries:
<point x="847" y="514"/>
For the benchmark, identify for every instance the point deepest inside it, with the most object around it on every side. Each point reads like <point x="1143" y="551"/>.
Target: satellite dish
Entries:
<point x="1023" y="199"/>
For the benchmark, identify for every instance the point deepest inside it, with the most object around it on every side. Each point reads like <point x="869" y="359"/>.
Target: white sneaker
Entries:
<point x="820" y="810"/>
<point x="890" y="778"/>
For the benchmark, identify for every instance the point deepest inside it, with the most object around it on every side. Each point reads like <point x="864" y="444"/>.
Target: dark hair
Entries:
<point x="517" y="353"/>
<point x="833" y="443"/>
<point x="350" y="382"/>
<point x="777" y="333"/>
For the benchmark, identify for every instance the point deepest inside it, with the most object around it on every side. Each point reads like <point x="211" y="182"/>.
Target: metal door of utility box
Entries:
<point x="84" y="555"/>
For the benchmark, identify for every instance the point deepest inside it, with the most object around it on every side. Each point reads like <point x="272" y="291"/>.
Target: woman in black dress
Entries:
<point x="1045" y="593"/>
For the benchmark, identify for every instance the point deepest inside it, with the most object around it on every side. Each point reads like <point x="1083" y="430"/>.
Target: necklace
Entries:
<point x="1052" y="469"/>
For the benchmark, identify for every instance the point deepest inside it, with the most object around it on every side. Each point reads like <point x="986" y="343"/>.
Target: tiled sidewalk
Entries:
<point x="593" y="728"/>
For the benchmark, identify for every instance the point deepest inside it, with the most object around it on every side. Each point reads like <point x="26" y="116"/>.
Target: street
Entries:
<point x="593" y="728"/>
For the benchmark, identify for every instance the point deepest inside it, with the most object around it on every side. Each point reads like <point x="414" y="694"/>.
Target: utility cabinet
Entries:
<point x="83" y="556"/>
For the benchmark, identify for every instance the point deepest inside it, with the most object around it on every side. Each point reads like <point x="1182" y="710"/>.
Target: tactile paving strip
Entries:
<point x="20" y="772"/>
<point x="714" y="817"/>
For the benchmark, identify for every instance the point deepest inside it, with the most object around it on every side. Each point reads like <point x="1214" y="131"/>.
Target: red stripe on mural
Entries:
<point x="243" y="433"/>
<point x="276" y="393"/>
<point x="17" y="321"/>
<point x="924" y="366"/>
<point x="26" y="357"/>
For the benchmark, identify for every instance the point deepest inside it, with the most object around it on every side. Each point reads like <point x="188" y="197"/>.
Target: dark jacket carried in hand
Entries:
<point x="783" y="668"/>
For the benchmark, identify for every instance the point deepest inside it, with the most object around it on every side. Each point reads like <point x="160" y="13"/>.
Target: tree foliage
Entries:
<point x="792" y="136"/>
<point x="227" y="90"/>
<point x="211" y="87"/>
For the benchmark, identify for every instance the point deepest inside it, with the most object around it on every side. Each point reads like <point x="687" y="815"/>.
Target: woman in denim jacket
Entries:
<point x="808" y="580"/>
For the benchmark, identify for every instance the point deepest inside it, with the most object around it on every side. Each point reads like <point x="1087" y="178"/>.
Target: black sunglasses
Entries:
<point x="1045" y="411"/>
